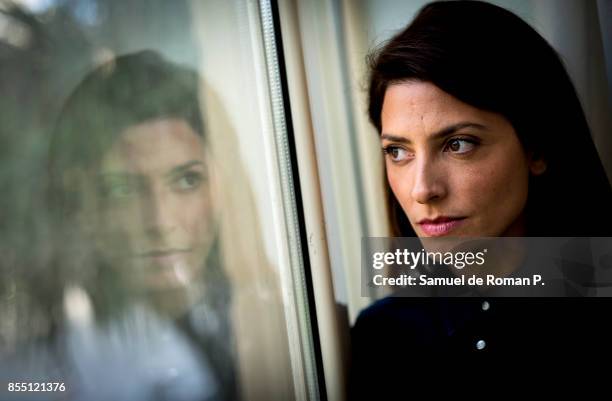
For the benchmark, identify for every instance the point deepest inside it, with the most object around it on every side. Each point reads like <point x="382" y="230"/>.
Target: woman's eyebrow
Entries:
<point x="444" y="132"/>
<point x="115" y="175"/>
<point x="129" y="175"/>
<point x="183" y="167"/>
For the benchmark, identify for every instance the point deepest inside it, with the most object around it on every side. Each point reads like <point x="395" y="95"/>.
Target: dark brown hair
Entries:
<point x="125" y="91"/>
<point x="489" y="58"/>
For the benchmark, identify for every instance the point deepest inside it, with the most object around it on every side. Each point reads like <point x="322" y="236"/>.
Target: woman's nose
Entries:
<point x="157" y="210"/>
<point x="429" y="181"/>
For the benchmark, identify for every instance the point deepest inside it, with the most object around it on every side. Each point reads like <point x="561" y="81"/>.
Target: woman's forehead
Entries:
<point x="154" y="146"/>
<point x="421" y="109"/>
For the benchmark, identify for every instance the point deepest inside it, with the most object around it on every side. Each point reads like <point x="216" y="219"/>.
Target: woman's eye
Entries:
<point x="117" y="190"/>
<point x="396" y="154"/>
<point x="188" y="181"/>
<point x="460" y="146"/>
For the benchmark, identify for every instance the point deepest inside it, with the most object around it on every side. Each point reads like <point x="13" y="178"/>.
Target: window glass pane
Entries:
<point x="149" y="250"/>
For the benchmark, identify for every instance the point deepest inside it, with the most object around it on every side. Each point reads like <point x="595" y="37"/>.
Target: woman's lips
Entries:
<point x="165" y="258"/>
<point x="440" y="225"/>
<point x="165" y="269"/>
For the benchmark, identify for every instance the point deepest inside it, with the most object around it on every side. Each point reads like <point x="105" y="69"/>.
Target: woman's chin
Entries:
<point x="168" y="295"/>
<point x="167" y="280"/>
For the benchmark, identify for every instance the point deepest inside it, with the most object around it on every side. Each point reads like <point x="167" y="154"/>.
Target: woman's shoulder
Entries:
<point x="395" y="308"/>
<point x="416" y="318"/>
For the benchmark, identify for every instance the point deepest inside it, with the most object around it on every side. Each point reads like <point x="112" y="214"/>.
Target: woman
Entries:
<point x="483" y="135"/>
<point x="130" y="187"/>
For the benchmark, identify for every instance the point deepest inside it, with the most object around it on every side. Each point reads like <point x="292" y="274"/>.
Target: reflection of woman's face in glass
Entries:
<point x="153" y="205"/>
<point x="456" y="170"/>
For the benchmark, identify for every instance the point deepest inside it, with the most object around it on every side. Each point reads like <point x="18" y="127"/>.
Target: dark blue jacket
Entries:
<point x="405" y="344"/>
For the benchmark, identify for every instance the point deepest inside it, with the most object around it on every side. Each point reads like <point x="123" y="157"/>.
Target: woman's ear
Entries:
<point x="537" y="164"/>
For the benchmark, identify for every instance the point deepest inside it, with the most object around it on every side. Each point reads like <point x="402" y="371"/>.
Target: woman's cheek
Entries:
<point x="499" y="195"/>
<point x="401" y="186"/>
<point x="195" y="212"/>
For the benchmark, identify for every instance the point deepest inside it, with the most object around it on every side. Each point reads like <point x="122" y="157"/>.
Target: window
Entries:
<point x="152" y="243"/>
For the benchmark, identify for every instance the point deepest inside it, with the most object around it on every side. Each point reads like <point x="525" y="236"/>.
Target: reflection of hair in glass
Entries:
<point x="124" y="92"/>
<point x="489" y="58"/>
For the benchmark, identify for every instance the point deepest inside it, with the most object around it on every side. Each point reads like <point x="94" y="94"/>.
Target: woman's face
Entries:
<point x="456" y="170"/>
<point x="152" y="206"/>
